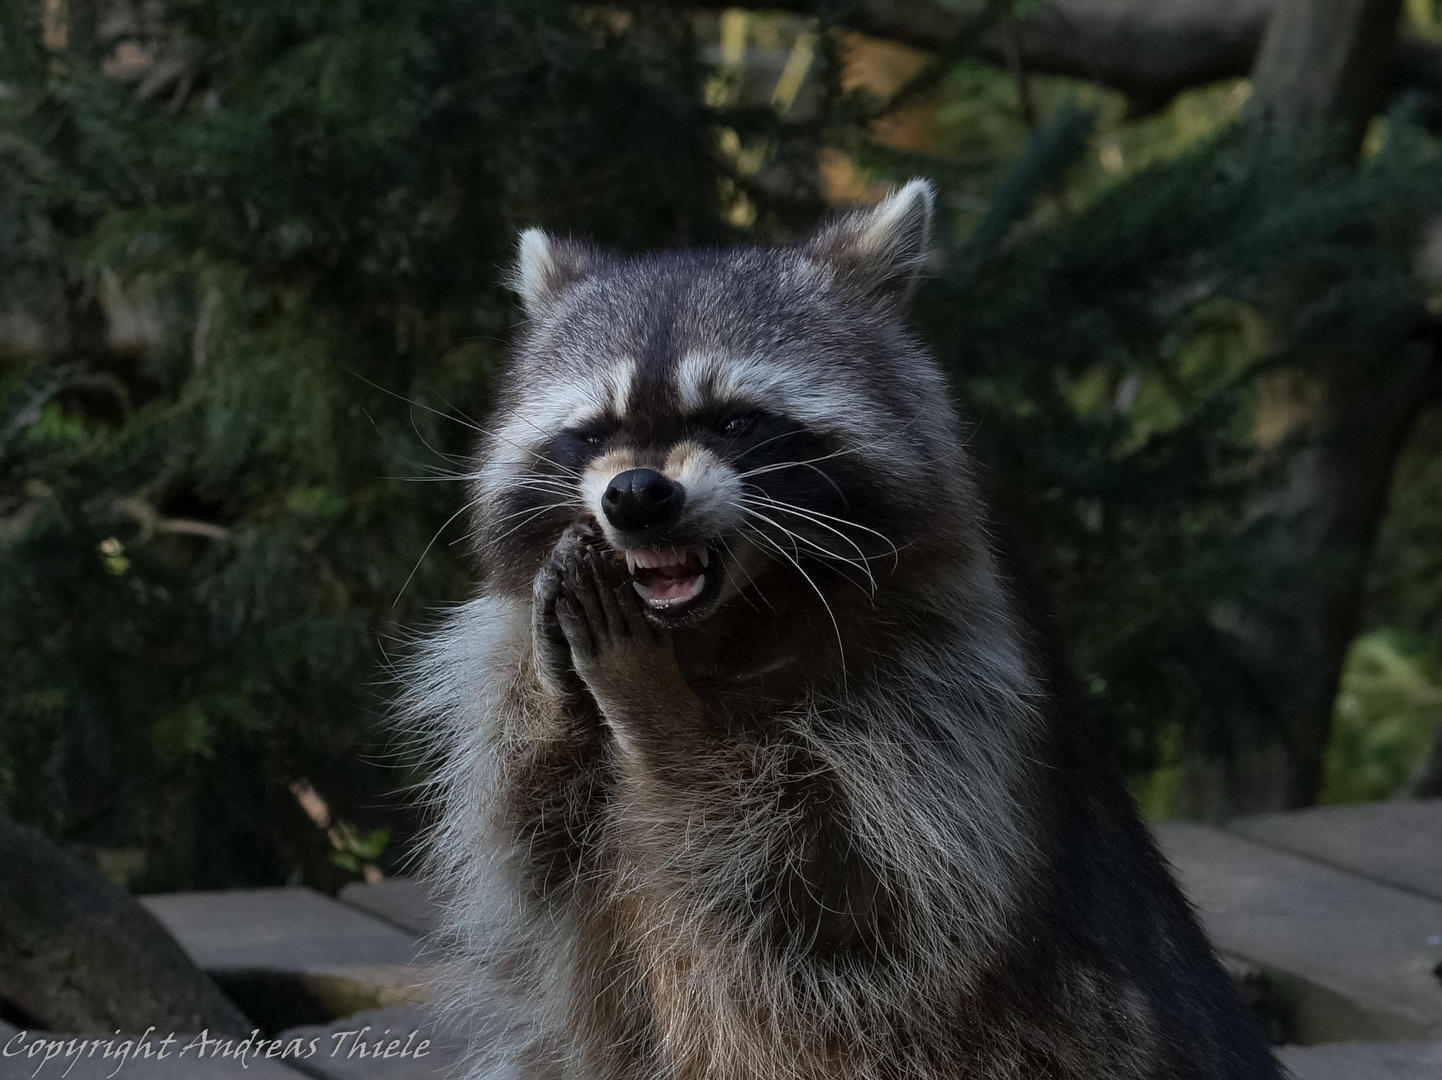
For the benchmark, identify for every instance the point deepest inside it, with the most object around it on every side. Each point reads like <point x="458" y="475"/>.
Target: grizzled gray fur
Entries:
<point x="756" y="757"/>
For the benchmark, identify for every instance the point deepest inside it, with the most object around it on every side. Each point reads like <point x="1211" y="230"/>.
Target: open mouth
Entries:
<point x="669" y="579"/>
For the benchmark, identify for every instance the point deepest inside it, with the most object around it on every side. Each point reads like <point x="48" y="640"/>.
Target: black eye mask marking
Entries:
<point x="734" y="429"/>
<point x="574" y="447"/>
<point x="740" y="423"/>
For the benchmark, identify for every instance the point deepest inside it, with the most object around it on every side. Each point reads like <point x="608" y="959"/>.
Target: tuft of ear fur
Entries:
<point x="546" y="267"/>
<point x="882" y="250"/>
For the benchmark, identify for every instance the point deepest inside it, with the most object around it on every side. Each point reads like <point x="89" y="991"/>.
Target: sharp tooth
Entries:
<point x="704" y="555"/>
<point x="630" y="562"/>
<point x="697" y="585"/>
<point x="643" y="591"/>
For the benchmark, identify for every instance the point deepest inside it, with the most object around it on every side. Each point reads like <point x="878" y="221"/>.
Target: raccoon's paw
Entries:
<point x="625" y="661"/>
<point x="548" y="640"/>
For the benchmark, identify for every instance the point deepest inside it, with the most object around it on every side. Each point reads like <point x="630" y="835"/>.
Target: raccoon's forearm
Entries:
<point x="657" y="719"/>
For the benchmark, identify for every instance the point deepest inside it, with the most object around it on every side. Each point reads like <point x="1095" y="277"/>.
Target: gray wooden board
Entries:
<point x="347" y="1046"/>
<point x="1369" y="944"/>
<point x="1399" y="843"/>
<point x="1364" y="1061"/>
<point x="403" y="902"/>
<point x="199" y="1062"/>
<point x="289" y="929"/>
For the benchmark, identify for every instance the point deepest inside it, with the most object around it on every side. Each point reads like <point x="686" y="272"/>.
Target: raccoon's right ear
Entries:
<point x="884" y="249"/>
<point x="546" y="267"/>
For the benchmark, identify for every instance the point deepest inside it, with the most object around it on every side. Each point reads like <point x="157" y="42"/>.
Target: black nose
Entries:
<point x="640" y="499"/>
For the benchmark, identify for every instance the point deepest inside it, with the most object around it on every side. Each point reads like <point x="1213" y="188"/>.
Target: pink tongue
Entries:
<point x="668" y="583"/>
<point x="673" y="589"/>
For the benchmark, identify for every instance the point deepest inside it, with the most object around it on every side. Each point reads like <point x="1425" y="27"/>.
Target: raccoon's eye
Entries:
<point x="593" y="434"/>
<point x="740" y="424"/>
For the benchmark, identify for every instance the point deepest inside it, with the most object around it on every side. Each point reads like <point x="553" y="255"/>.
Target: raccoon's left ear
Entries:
<point x="546" y="267"/>
<point x="883" y="249"/>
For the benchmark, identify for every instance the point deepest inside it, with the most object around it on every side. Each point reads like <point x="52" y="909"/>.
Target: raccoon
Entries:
<point x="756" y="757"/>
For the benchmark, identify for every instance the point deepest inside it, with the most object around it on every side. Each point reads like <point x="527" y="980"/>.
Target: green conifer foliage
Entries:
<point x="1114" y="382"/>
<point x="264" y="294"/>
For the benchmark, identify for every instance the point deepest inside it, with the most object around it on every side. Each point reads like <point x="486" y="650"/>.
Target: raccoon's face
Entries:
<point x="724" y="416"/>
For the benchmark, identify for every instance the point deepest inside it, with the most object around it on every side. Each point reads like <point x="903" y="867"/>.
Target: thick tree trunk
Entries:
<point x="1426" y="783"/>
<point x="1341" y="416"/>
<point x="1324" y="63"/>
<point x="1273" y="666"/>
<point x="79" y="954"/>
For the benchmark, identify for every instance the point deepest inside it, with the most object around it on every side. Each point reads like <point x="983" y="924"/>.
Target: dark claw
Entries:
<point x="581" y="591"/>
<point x="634" y="613"/>
<point x="575" y="627"/>
<point x="549" y="637"/>
<point x="606" y="593"/>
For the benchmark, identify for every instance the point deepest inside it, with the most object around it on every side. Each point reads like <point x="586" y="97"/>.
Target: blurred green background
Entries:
<point x="252" y="302"/>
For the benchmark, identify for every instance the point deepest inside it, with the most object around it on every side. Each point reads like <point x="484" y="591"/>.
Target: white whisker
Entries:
<point x="796" y="537"/>
<point x="462" y="419"/>
<point x="548" y="508"/>
<point x="727" y="562"/>
<point x="776" y="466"/>
<point x="817" y="517"/>
<point x="836" y="626"/>
<point x="430" y="544"/>
<point x="819" y="547"/>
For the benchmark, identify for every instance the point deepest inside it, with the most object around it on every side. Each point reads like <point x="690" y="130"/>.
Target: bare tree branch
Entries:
<point x="1148" y="49"/>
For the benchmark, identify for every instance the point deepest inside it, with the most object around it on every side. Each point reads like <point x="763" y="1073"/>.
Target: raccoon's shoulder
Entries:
<point x="460" y="672"/>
